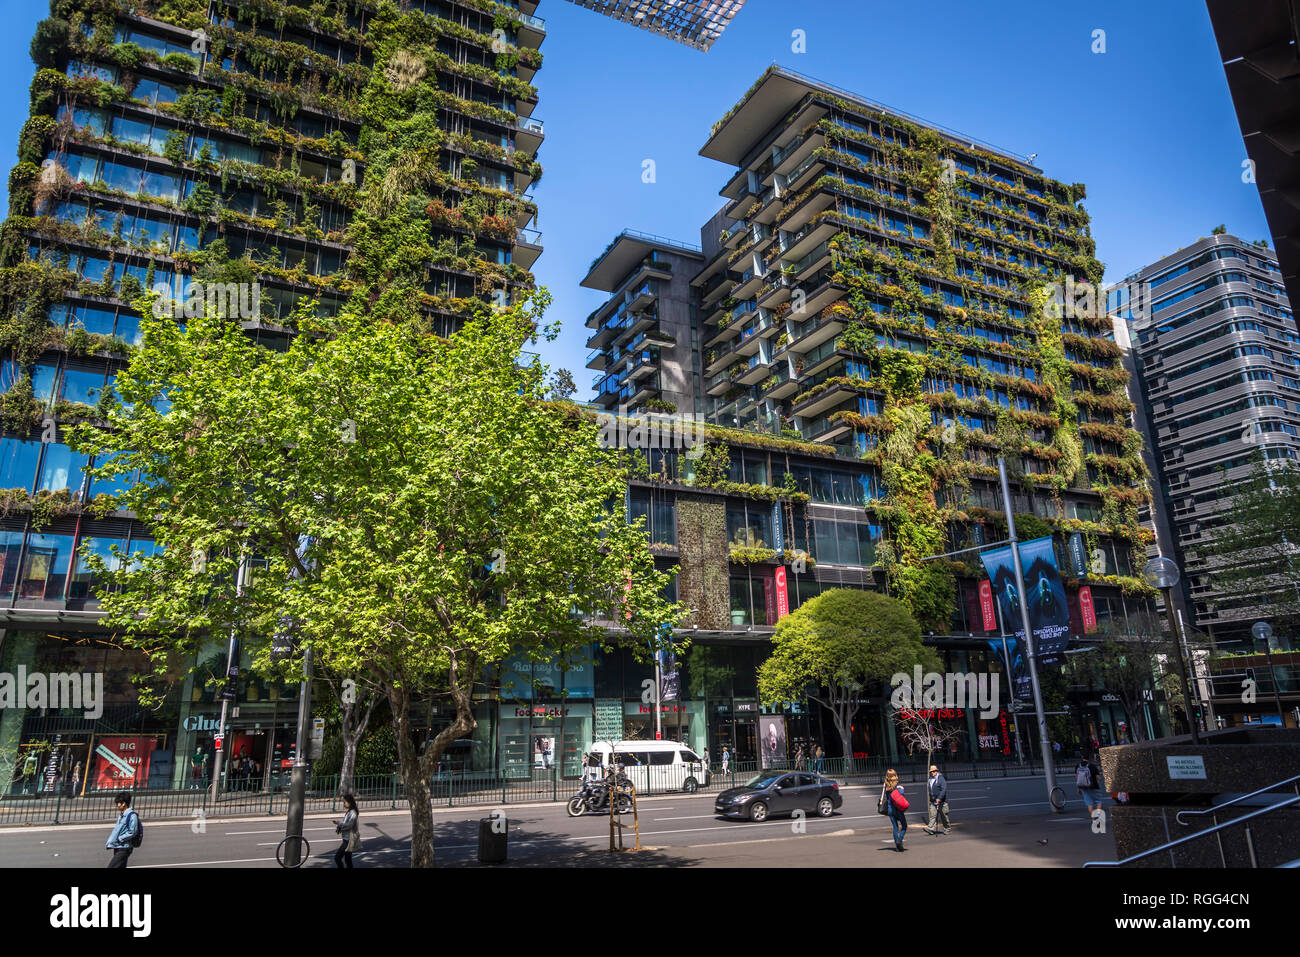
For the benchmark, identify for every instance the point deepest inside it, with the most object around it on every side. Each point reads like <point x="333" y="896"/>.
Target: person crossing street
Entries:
<point x="937" y="802"/>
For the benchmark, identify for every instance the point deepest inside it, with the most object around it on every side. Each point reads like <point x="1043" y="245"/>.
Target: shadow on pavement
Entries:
<point x="530" y="845"/>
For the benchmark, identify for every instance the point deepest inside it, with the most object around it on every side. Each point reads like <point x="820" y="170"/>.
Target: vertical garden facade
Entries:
<point x="255" y="158"/>
<point x="913" y="300"/>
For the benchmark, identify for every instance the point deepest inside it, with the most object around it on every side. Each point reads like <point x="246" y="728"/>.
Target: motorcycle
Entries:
<point x="593" y="797"/>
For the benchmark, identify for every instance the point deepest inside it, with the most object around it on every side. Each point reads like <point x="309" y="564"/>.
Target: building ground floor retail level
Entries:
<point x="532" y="717"/>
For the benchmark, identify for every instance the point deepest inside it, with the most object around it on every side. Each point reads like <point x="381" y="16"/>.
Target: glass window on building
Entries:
<point x="18" y="460"/>
<point x="741" y="613"/>
<point x="82" y="383"/>
<point x="749" y="525"/>
<point x="11" y="546"/>
<point x="43" y="377"/>
<point x="62" y="469"/>
<point x="84" y="579"/>
<point x="45" y="567"/>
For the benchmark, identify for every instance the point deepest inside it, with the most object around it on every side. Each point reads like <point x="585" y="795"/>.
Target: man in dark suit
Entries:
<point x="938" y="802"/>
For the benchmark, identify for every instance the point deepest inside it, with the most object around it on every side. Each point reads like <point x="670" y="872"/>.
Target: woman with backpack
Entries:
<point x="894" y="803"/>
<point x="350" y="831"/>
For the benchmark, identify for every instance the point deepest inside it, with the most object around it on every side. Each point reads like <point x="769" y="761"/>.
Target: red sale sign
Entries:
<point x="986" y="605"/>
<point x="782" y="594"/>
<point x="1087" y="609"/>
<point x="121" y="763"/>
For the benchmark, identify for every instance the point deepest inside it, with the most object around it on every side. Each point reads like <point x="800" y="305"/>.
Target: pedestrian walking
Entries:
<point x="1087" y="777"/>
<point x="127" y="833"/>
<point x="937" y="803"/>
<point x="894" y="803"/>
<point x="798" y="758"/>
<point x="819" y="756"/>
<point x="1056" y="750"/>
<point x="349" y="829"/>
<point x="726" y="761"/>
<point x="708" y="765"/>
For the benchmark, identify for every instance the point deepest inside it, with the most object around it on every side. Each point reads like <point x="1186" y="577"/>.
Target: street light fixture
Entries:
<point x="1163" y="573"/>
<point x="1263" y="631"/>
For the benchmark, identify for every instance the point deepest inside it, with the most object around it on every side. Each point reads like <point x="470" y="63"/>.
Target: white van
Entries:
<point x="654" y="766"/>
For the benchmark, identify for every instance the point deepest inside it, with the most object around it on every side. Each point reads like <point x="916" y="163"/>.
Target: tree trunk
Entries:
<point x="355" y="721"/>
<point x="349" y="765"/>
<point x="416" y="784"/>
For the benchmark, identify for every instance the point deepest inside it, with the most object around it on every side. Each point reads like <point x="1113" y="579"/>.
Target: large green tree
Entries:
<point x="1254" y="552"/>
<point x="833" y="647"/>
<point x="414" y="509"/>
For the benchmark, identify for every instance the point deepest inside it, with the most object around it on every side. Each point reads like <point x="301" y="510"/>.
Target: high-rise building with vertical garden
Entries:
<point x="918" y="305"/>
<point x="265" y="153"/>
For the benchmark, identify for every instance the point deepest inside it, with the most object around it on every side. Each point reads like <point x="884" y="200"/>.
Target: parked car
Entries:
<point x="780" y="792"/>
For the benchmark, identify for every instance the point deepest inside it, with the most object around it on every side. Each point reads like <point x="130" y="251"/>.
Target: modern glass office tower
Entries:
<point x="696" y="23"/>
<point x="180" y="142"/>
<point x="1218" y="358"/>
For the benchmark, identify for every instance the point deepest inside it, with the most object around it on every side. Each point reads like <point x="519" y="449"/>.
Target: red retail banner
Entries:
<point x="782" y="594"/>
<point x="1087" y="609"/>
<point x="986" y="605"/>
<point x="121" y="763"/>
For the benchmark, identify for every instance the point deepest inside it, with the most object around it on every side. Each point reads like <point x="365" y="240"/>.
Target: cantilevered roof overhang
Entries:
<point x="622" y="255"/>
<point x="1261" y="59"/>
<point x="779" y="90"/>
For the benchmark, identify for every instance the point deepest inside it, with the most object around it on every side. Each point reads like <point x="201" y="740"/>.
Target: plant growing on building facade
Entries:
<point x="841" y="643"/>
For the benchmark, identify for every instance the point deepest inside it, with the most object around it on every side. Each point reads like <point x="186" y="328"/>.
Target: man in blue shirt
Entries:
<point x="127" y="827"/>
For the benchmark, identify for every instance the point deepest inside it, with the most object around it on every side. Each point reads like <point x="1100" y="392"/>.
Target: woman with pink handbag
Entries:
<point x="894" y="803"/>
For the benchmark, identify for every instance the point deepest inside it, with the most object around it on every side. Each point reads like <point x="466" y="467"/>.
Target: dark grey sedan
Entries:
<point x="780" y="792"/>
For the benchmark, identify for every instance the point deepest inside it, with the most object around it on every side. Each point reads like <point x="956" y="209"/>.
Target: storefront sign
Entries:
<point x="640" y="709"/>
<point x="196" y="722"/>
<point x="986" y="606"/>
<point x="1087" y="609"/>
<point x="1186" y="767"/>
<point x="541" y="712"/>
<point x="746" y="706"/>
<point x="782" y="594"/>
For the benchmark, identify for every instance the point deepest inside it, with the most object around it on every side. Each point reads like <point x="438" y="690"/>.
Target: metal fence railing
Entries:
<point x="457" y="789"/>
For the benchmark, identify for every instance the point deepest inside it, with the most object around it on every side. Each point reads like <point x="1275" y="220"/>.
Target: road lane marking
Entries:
<point x="246" y="860"/>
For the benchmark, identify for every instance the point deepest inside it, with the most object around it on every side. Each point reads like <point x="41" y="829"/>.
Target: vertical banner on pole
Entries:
<point x="1049" y="612"/>
<point x="782" y="593"/>
<point x="986" y="606"/>
<point x="1087" y="609"/>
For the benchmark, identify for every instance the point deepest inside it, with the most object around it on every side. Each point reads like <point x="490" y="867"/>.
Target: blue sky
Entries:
<point x="1148" y="125"/>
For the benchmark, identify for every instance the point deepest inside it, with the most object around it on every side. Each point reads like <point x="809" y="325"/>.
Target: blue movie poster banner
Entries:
<point x="1017" y="668"/>
<point x="1049" y="614"/>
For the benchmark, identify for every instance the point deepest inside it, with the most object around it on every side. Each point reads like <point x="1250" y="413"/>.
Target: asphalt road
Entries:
<point x="998" y="823"/>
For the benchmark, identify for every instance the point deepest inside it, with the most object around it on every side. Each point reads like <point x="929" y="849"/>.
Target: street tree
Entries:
<point x="411" y="503"/>
<point x="924" y="729"/>
<point x="1130" y="663"/>
<point x="833" y="647"/>
<point x="1256" y="551"/>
